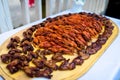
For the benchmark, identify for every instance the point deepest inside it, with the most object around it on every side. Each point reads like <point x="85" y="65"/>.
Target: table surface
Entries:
<point x="106" y="68"/>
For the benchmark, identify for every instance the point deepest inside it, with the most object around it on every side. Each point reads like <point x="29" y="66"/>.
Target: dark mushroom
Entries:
<point x="58" y="57"/>
<point x="83" y="55"/>
<point x="51" y="64"/>
<point x="78" y="60"/>
<point x="39" y="63"/>
<point x="12" y="66"/>
<point x="6" y="58"/>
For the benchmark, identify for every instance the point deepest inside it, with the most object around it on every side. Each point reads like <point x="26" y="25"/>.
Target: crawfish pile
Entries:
<point x="67" y="33"/>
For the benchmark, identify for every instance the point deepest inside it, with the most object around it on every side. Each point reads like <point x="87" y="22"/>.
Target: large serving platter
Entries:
<point x="66" y="75"/>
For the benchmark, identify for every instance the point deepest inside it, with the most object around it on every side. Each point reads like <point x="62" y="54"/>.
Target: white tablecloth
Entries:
<point x="106" y="68"/>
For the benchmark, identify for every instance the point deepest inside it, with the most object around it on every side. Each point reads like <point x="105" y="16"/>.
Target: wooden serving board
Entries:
<point x="57" y="75"/>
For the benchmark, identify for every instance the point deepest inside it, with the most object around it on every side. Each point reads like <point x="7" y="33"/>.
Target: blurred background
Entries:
<point x="112" y="10"/>
<point x="16" y="12"/>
